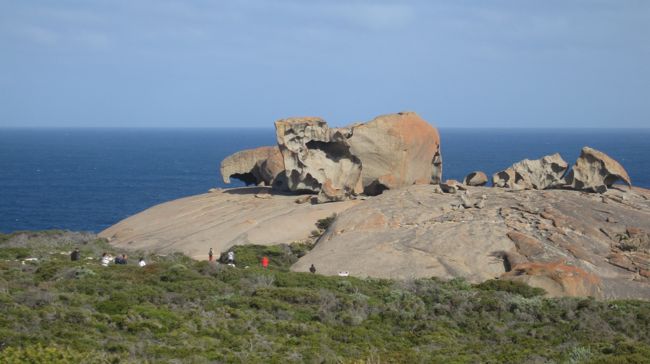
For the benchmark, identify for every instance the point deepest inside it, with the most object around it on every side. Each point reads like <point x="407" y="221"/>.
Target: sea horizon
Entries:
<point x="88" y="179"/>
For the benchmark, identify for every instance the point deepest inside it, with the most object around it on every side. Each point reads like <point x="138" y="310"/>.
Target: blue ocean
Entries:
<point x="89" y="179"/>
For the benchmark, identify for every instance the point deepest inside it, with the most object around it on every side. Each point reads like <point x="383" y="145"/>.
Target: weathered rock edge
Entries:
<point x="594" y="171"/>
<point x="391" y="151"/>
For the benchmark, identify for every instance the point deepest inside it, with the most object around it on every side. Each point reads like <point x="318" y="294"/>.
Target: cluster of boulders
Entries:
<point x="335" y="164"/>
<point x="594" y="171"/>
<point x="393" y="151"/>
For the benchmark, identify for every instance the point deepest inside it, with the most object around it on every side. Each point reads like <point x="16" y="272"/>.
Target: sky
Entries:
<point x="166" y="63"/>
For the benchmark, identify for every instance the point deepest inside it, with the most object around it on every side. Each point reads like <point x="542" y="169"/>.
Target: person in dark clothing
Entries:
<point x="312" y="269"/>
<point x="121" y="259"/>
<point x="75" y="255"/>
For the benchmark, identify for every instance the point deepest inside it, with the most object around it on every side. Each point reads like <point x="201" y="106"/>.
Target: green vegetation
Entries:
<point x="178" y="310"/>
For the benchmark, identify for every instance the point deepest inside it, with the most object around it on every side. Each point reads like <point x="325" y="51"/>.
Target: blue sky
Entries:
<point x="163" y="63"/>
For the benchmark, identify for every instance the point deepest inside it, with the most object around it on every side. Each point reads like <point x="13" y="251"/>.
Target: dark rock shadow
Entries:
<point x="253" y="190"/>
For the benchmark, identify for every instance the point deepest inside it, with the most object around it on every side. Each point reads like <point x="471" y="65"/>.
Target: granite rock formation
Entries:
<point x="539" y="174"/>
<point x="476" y="178"/>
<point x="318" y="159"/>
<point x="566" y="242"/>
<point x="390" y="151"/>
<point x="259" y="166"/>
<point x="219" y="220"/>
<point x="595" y="171"/>
<point x="396" y="150"/>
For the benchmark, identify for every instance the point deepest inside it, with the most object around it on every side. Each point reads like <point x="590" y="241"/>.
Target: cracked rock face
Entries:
<point x="595" y="171"/>
<point x="388" y="152"/>
<point x="538" y="174"/>
<point x="260" y="166"/>
<point x="318" y="159"/>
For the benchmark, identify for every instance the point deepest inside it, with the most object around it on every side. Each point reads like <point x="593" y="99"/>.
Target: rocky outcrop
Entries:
<point x="595" y="171"/>
<point x="219" y="220"/>
<point x="476" y="178"/>
<point x="388" y="152"/>
<point x="567" y="242"/>
<point x="539" y="174"/>
<point x="318" y="159"/>
<point x="396" y="150"/>
<point x="557" y="279"/>
<point x="259" y="166"/>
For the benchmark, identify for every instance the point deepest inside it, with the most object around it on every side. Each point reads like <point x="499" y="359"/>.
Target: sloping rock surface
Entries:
<point x="219" y="220"/>
<point x="595" y="171"/>
<point x="259" y="166"/>
<point x="567" y="242"/>
<point x="539" y="174"/>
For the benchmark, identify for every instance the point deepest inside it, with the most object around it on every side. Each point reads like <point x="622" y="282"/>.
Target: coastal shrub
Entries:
<point x="14" y="253"/>
<point x="325" y="223"/>
<point x="48" y="354"/>
<point x="280" y="256"/>
<point x="514" y="287"/>
<point x="178" y="310"/>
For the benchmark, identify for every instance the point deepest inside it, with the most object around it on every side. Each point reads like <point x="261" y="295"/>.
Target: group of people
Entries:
<point x="123" y="259"/>
<point x="106" y="258"/>
<point x="230" y="260"/>
<point x="230" y="257"/>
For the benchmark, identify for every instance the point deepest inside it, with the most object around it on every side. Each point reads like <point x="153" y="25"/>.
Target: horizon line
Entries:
<point x="272" y="127"/>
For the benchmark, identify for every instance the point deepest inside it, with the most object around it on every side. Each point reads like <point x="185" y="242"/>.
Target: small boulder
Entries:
<point x="451" y="186"/>
<point x="476" y="178"/>
<point x="595" y="171"/>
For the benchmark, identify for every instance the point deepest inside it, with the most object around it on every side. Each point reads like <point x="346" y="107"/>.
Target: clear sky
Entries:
<point x="165" y="63"/>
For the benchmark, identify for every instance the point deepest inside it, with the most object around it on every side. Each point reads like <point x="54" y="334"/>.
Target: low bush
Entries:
<point x="178" y="310"/>
<point x="514" y="287"/>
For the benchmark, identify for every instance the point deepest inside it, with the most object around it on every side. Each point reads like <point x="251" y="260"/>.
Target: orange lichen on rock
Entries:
<point x="558" y="279"/>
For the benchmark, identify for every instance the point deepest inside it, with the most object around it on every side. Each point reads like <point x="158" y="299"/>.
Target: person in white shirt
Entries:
<point x="142" y="263"/>
<point x="106" y="259"/>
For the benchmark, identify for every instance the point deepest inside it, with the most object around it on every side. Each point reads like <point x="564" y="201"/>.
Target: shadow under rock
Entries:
<point x="254" y="190"/>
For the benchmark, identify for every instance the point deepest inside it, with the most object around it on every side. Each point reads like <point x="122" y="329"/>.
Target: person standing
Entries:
<point x="210" y="255"/>
<point x="231" y="257"/>
<point x="75" y="255"/>
<point x="265" y="261"/>
<point x="312" y="269"/>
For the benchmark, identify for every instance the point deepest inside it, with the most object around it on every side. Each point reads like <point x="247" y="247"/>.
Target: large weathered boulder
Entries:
<point x="396" y="150"/>
<point x="476" y="178"/>
<point x="538" y="174"/>
<point x="259" y="166"/>
<point x="318" y="159"/>
<point x="388" y="152"/>
<point x="596" y="171"/>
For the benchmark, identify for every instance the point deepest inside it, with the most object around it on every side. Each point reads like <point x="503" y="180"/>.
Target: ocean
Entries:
<point x="89" y="179"/>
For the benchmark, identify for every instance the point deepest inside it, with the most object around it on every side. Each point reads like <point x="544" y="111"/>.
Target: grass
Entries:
<point x="178" y="310"/>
